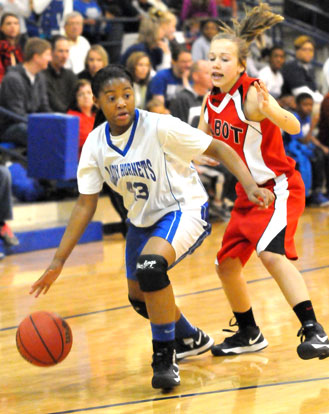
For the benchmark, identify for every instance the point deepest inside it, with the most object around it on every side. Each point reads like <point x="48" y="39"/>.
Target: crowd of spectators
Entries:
<point x="50" y="51"/>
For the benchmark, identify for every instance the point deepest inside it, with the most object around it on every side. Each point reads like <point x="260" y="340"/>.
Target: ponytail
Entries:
<point x="255" y="22"/>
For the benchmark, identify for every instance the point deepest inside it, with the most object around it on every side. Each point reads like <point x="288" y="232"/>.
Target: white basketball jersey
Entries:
<point x="152" y="170"/>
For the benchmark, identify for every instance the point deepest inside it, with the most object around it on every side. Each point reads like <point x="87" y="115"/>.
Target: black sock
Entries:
<point x="245" y="319"/>
<point x="304" y="311"/>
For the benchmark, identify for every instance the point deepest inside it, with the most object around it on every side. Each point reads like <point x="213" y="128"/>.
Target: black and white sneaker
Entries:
<point x="165" y="369"/>
<point x="314" y="341"/>
<point x="194" y="345"/>
<point x="249" y="339"/>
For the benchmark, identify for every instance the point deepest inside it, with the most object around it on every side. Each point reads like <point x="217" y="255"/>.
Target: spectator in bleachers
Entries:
<point x="227" y="9"/>
<point x="198" y="8"/>
<point x="168" y="82"/>
<point x="91" y="13"/>
<point x="50" y="15"/>
<point x="324" y="135"/>
<point x="186" y="105"/>
<point x="23" y="90"/>
<point x="149" y="37"/>
<point x="139" y="65"/>
<point x="201" y="46"/>
<point x="96" y="59"/>
<point x="22" y="9"/>
<point x="305" y="147"/>
<point x="299" y="74"/>
<point x="61" y="82"/>
<point x="11" y="42"/>
<point x="271" y="73"/>
<point x="6" y="209"/>
<point x="79" y="45"/>
<point x="83" y="107"/>
<point x="167" y="29"/>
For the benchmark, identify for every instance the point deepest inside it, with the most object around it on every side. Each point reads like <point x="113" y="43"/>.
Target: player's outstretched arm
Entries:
<point x="224" y="153"/>
<point x="81" y="215"/>
<point x="260" y="104"/>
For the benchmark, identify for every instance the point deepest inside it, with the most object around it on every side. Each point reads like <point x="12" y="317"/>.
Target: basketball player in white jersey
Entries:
<point x="146" y="157"/>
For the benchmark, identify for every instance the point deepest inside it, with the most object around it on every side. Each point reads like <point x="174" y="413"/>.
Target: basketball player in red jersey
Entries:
<point x="240" y="112"/>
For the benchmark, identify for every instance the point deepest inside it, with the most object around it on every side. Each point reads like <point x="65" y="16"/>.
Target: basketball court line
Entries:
<point x="196" y="394"/>
<point x="79" y="315"/>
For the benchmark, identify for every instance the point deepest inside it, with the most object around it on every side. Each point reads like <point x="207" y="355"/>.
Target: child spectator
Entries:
<point x="271" y="74"/>
<point x="201" y="46"/>
<point x="305" y="148"/>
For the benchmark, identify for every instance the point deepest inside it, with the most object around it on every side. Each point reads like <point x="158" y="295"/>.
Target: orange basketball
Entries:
<point x="44" y="338"/>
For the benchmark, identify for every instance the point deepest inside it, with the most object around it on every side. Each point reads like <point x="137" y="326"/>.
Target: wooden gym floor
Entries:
<point x="108" y="369"/>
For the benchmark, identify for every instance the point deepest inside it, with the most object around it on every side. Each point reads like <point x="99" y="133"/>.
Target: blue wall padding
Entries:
<point x="40" y="239"/>
<point x="52" y="149"/>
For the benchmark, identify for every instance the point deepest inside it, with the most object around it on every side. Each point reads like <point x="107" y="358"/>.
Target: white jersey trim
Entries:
<point x="279" y="219"/>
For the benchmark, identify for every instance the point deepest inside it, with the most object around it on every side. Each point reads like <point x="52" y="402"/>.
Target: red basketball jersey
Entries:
<point x="259" y="144"/>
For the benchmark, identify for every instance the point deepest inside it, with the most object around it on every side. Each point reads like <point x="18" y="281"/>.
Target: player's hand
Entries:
<point x="205" y="160"/>
<point x="261" y="196"/>
<point x="43" y="284"/>
<point x="262" y="96"/>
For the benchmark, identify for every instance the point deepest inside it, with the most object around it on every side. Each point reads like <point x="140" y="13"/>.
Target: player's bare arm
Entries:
<point x="222" y="152"/>
<point x="260" y="105"/>
<point x="82" y="213"/>
<point x="203" y="125"/>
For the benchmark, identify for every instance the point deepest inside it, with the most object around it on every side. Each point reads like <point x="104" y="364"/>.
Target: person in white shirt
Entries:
<point x="146" y="157"/>
<point x="79" y="45"/>
<point x="271" y="74"/>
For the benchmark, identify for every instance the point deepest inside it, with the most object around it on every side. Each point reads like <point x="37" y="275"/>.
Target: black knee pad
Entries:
<point x="152" y="272"/>
<point x="139" y="307"/>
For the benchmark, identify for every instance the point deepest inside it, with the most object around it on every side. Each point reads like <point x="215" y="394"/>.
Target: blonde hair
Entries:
<point x="148" y="31"/>
<point x="102" y="53"/>
<point x="162" y="16"/>
<point x="243" y="32"/>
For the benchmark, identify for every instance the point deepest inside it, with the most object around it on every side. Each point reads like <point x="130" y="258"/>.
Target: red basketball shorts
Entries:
<point x="252" y="228"/>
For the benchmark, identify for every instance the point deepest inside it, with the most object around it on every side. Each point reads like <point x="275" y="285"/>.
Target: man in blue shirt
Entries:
<point x="168" y="82"/>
